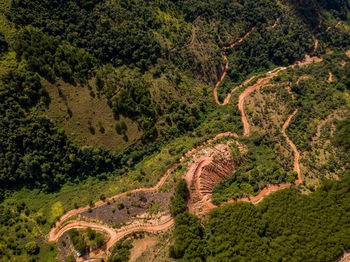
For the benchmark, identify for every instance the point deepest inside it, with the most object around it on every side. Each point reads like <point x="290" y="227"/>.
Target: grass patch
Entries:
<point x="56" y="211"/>
<point x="86" y="118"/>
<point x="6" y="27"/>
<point x="7" y="62"/>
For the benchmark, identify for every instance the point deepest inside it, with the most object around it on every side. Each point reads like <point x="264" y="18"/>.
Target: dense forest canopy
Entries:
<point x="287" y="225"/>
<point x="154" y="65"/>
<point x="37" y="153"/>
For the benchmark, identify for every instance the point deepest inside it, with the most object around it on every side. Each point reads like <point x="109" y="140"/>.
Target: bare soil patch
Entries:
<point x="205" y="170"/>
<point x="127" y="208"/>
<point x="65" y="247"/>
<point x="330" y="78"/>
<point x="140" y="246"/>
<point x="345" y="257"/>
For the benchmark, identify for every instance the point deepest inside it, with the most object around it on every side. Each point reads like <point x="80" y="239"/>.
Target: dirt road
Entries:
<point x="292" y="145"/>
<point x="227" y="99"/>
<point x="114" y="234"/>
<point x="58" y="230"/>
<point x="330" y="78"/>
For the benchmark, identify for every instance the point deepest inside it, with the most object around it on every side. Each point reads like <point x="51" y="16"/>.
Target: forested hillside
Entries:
<point x="100" y="97"/>
<point x="287" y="225"/>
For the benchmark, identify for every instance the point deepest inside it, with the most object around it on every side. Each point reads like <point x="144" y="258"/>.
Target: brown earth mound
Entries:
<point x="207" y="168"/>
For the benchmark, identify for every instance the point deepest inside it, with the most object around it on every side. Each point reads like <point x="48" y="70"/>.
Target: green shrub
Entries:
<point x="32" y="248"/>
<point x="178" y="202"/>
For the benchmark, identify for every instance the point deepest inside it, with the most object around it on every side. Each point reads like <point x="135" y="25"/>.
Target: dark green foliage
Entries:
<point x="133" y="100"/>
<point x="82" y="242"/>
<point x="51" y="57"/>
<point x="95" y="240"/>
<point x="266" y="48"/>
<point x="102" y="197"/>
<point x="78" y="241"/>
<point x="314" y="100"/>
<point x="338" y="8"/>
<point x="160" y="44"/>
<point x="33" y="152"/>
<point x="334" y="37"/>
<point x="257" y="169"/>
<point x="235" y="233"/>
<point x="342" y="136"/>
<point x="120" y="205"/>
<point x="245" y="13"/>
<point x="91" y="234"/>
<point x="3" y="44"/>
<point x="120" y="33"/>
<point x="120" y="127"/>
<point x="287" y="226"/>
<point x="120" y="252"/>
<point x="32" y="247"/>
<point x="189" y="239"/>
<point x="178" y="202"/>
<point x="99" y="240"/>
<point x="70" y="258"/>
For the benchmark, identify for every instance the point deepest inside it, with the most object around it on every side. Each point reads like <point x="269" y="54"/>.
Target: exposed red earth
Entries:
<point x="206" y="169"/>
<point x="275" y="23"/>
<point x="205" y="174"/>
<point x="330" y="78"/>
<point x="345" y="257"/>
<point x="302" y="78"/>
<point x="114" y="235"/>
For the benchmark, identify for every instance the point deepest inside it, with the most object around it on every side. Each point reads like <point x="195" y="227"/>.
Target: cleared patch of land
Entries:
<point x="86" y="118"/>
<point x="136" y="206"/>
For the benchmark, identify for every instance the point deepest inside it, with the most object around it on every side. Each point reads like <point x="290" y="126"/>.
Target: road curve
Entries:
<point x="114" y="235"/>
<point x="74" y="212"/>
<point x="227" y="99"/>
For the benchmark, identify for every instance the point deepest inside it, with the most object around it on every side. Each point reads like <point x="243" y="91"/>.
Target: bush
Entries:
<point x="178" y="202"/>
<point x="32" y="248"/>
<point x="91" y="234"/>
<point x="120" y="205"/>
<point x="102" y="197"/>
<point x="120" y="252"/>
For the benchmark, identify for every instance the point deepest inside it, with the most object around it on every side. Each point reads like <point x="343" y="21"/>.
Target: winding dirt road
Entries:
<point x="116" y="235"/>
<point x="227" y="99"/>
<point x="292" y="145"/>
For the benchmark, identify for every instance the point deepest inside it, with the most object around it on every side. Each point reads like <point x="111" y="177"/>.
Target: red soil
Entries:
<point x="345" y="257"/>
<point x="211" y="166"/>
<point x="115" y="235"/>
<point x="302" y="78"/>
<point x="330" y="78"/>
<point x="275" y="23"/>
<point x="140" y="246"/>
